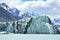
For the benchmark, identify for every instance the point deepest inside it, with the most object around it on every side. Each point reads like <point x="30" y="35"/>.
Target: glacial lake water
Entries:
<point x="29" y="36"/>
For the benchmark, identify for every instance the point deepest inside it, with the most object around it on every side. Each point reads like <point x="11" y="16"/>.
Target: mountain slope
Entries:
<point x="6" y="15"/>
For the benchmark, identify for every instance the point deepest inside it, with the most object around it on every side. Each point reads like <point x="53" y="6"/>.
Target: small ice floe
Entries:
<point x="3" y="32"/>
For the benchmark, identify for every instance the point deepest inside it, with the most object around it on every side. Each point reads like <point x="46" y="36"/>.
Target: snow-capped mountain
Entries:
<point x="5" y="6"/>
<point x="15" y="11"/>
<point x="56" y="21"/>
<point x="6" y="14"/>
<point x="28" y="14"/>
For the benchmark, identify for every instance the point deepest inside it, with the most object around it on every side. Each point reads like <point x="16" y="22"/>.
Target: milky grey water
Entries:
<point x="29" y="37"/>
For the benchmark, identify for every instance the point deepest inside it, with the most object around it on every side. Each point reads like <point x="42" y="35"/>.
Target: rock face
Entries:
<point x="38" y="26"/>
<point x="5" y="14"/>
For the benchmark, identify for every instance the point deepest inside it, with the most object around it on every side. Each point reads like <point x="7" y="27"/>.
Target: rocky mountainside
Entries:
<point x="6" y="14"/>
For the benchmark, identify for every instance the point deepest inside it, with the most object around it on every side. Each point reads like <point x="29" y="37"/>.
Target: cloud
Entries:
<point x="58" y="2"/>
<point x="27" y="4"/>
<point x="11" y="3"/>
<point x="24" y="5"/>
<point x="52" y="7"/>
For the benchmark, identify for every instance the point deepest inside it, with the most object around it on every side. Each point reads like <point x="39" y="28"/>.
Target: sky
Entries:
<point x="51" y="7"/>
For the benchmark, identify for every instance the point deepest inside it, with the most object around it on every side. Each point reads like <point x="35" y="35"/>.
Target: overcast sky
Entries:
<point x="38" y="6"/>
